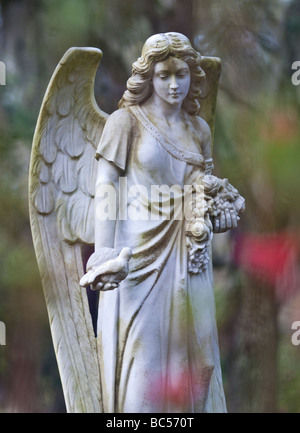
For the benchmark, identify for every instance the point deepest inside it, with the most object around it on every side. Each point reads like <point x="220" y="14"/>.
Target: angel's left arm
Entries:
<point x="107" y="190"/>
<point x="106" y="210"/>
<point x="206" y="145"/>
<point x="226" y="220"/>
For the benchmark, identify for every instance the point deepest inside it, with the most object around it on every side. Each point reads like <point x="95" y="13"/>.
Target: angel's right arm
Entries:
<point x="107" y="196"/>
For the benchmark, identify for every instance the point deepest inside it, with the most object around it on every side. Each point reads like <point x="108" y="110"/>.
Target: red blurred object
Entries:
<point x="271" y="258"/>
<point x="175" y="394"/>
<point x="283" y="127"/>
<point x="173" y="391"/>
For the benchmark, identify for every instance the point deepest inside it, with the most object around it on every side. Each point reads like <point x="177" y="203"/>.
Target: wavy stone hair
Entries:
<point x="157" y="49"/>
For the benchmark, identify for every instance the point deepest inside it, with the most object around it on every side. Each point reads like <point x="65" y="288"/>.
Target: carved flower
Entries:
<point x="200" y="230"/>
<point x="239" y="204"/>
<point x="198" y="257"/>
<point x="211" y="184"/>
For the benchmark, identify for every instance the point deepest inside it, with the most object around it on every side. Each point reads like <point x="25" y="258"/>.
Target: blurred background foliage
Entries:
<point x="256" y="146"/>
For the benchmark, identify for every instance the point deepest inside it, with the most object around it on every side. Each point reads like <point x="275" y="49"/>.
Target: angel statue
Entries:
<point x="137" y="188"/>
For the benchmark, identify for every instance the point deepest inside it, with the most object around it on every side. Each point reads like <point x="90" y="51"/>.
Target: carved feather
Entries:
<point x="64" y="173"/>
<point x="48" y="147"/>
<point x="87" y="183"/>
<point x="61" y="193"/>
<point x="70" y="137"/>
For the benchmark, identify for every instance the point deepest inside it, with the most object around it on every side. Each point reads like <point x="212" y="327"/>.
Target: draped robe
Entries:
<point x="156" y="333"/>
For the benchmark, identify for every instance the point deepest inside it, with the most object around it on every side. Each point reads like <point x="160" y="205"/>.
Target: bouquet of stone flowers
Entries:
<point x="216" y="207"/>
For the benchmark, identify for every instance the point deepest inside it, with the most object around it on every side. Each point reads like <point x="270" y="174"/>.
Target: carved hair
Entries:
<point x="157" y="49"/>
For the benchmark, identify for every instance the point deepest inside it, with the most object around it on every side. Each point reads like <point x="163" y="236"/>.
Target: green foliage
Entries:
<point x="288" y="377"/>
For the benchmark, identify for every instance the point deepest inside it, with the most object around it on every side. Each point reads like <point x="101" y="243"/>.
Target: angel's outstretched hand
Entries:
<point x="227" y="220"/>
<point x="229" y="215"/>
<point x="107" y="281"/>
<point x="108" y="274"/>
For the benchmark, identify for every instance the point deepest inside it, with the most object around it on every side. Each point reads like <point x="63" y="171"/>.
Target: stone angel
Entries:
<point x="137" y="187"/>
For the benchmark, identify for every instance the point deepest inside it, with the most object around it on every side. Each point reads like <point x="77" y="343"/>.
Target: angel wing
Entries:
<point x="61" y="191"/>
<point x="209" y="90"/>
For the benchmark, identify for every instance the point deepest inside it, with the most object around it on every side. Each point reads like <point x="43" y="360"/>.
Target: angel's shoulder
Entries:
<point x="121" y="118"/>
<point x="202" y="126"/>
<point x="202" y="135"/>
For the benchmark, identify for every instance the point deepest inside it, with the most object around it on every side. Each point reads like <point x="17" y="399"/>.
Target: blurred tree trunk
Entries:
<point x="256" y="349"/>
<point x="182" y="18"/>
<point x="23" y="50"/>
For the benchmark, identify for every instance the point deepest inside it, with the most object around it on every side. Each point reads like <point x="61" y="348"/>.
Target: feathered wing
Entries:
<point x="209" y="90"/>
<point x="61" y="192"/>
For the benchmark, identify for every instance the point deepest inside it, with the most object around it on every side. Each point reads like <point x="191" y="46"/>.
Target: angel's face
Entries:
<point x="171" y="81"/>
